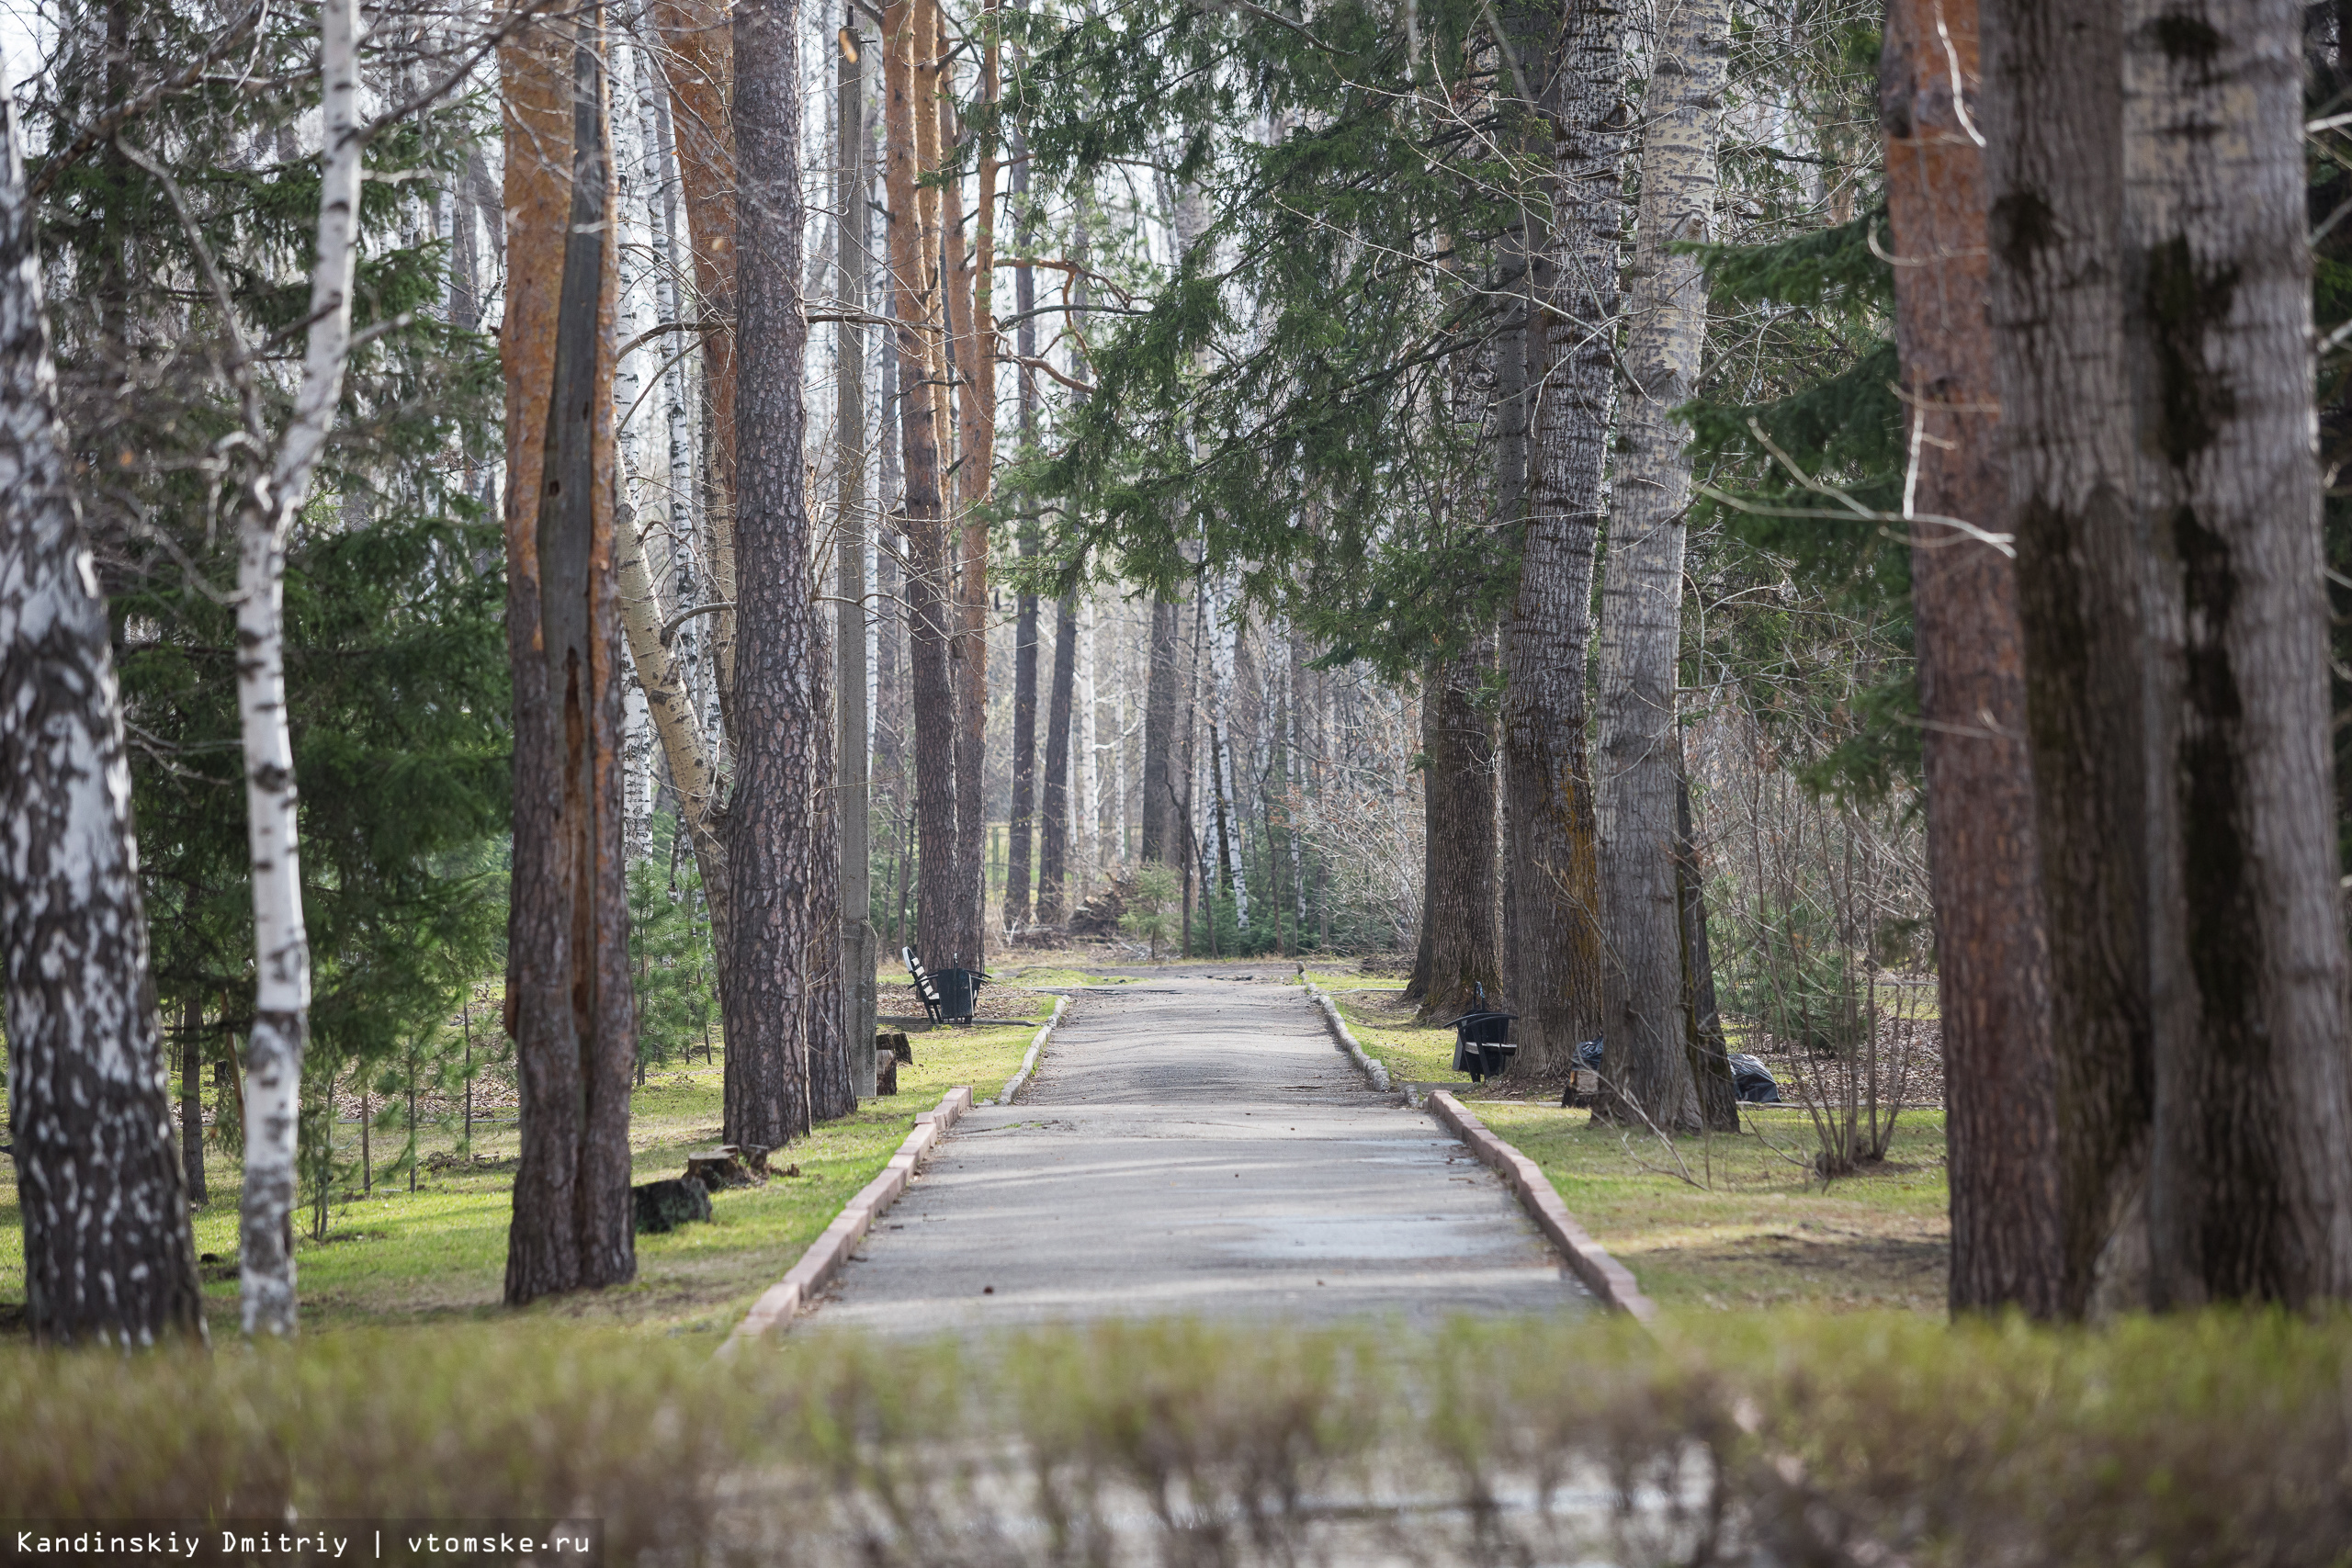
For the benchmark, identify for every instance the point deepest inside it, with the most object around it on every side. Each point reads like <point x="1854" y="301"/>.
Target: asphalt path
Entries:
<point x="1197" y="1147"/>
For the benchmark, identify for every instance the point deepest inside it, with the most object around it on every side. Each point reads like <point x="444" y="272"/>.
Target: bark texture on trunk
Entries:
<point x="569" y="1003"/>
<point x="1644" y="1010"/>
<point x="787" y="865"/>
<point x="192" y="1103"/>
<point x="1458" y="786"/>
<point x="694" y="769"/>
<point x="1024" y="638"/>
<point x="849" y="638"/>
<point x="1163" y="836"/>
<point x="2250" y="1192"/>
<point x="281" y="1024"/>
<point x="908" y="36"/>
<point x="1053" y="849"/>
<point x="1993" y="968"/>
<point x="1709" y="1053"/>
<point x="698" y="49"/>
<point x="108" y="1254"/>
<point x="972" y="339"/>
<point x="1552" y="929"/>
<point x="2054" y="170"/>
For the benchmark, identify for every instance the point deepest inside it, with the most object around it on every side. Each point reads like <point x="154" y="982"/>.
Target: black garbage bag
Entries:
<point x="1588" y="1053"/>
<point x="1753" y="1081"/>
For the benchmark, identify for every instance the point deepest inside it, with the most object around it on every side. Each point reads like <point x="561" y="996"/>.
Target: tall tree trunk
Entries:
<point x="2250" y="1194"/>
<point x="890" y="630"/>
<point x="192" y="1102"/>
<point x="108" y="1254"/>
<point x="1052" y="850"/>
<point x="1024" y="636"/>
<point x="907" y="35"/>
<point x="281" y="1024"/>
<point x="786" y="873"/>
<point x="1552" y="929"/>
<point x="699" y="60"/>
<point x="1644" y="1010"/>
<point x="2054" y="172"/>
<point x="1161" y="835"/>
<point x="1710" y="1054"/>
<point x="669" y="700"/>
<point x="1458" y="785"/>
<point x="1993" y="968"/>
<point x="569" y="1003"/>
<point x="972" y="335"/>
<point x="849" y="645"/>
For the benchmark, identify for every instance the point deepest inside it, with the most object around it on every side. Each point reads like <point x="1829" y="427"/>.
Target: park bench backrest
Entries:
<point x="924" y="989"/>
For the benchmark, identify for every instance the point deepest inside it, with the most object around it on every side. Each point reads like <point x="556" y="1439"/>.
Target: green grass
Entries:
<point x="439" y="1255"/>
<point x="1750" y="1227"/>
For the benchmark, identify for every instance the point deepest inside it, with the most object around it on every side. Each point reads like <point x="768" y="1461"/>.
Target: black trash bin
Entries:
<point x="959" y="992"/>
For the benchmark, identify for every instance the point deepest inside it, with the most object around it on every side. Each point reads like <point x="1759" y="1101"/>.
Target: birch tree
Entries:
<point x="108" y="1253"/>
<point x="266" y="516"/>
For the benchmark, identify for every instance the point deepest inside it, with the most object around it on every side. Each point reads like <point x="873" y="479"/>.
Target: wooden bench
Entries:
<point x="1482" y="1043"/>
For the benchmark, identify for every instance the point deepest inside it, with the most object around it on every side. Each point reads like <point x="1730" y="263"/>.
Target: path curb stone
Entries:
<point x="1609" y="1281"/>
<point x="1339" y="1027"/>
<point x="782" y="1300"/>
<point x="1029" y="1062"/>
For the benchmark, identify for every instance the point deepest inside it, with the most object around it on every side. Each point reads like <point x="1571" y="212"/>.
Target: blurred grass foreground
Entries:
<point x="1782" y="1439"/>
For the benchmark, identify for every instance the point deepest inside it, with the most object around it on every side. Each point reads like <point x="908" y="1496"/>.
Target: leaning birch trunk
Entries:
<point x="1550" y="922"/>
<point x="265" y="522"/>
<point x="694" y="770"/>
<point x="2250" y="1194"/>
<point x="108" y="1254"/>
<point x="1643" y="1012"/>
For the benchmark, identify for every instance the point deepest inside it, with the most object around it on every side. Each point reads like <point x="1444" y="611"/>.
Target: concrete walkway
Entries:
<point x="1196" y="1146"/>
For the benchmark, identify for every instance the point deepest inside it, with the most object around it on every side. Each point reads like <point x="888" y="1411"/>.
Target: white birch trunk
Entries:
<point x="282" y="953"/>
<point x="108" y="1251"/>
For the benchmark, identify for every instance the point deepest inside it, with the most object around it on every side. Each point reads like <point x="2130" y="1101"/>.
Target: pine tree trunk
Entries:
<point x="2054" y="171"/>
<point x="568" y="1002"/>
<point x="2250" y="1194"/>
<point x="1053" y="849"/>
<point x="1644" y="1010"/>
<point x="1024" y="637"/>
<point x="1160" y="842"/>
<point x="108" y="1254"/>
<point x="907" y="35"/>
<point x="1552" y="934"/>
<point x="849" y="638"/>
<point x="785" y="869"/>
<point x="192" y="1102"/>
<point x="1458" y="910"/>
<point x="1993" y="969"/>
<point x="972" y="338"/>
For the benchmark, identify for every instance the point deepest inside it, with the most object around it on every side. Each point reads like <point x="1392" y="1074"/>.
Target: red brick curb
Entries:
<point x="782" y="1300"/>
<point x="1607" y="1279"/>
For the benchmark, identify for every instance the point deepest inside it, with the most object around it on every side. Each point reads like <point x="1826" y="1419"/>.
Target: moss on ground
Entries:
<point x="439" y="1254"/>
<point x="1734" y="1222"/>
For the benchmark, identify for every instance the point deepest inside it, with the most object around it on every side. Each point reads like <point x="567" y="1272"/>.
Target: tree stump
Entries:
<point x="660" y="1206"/>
